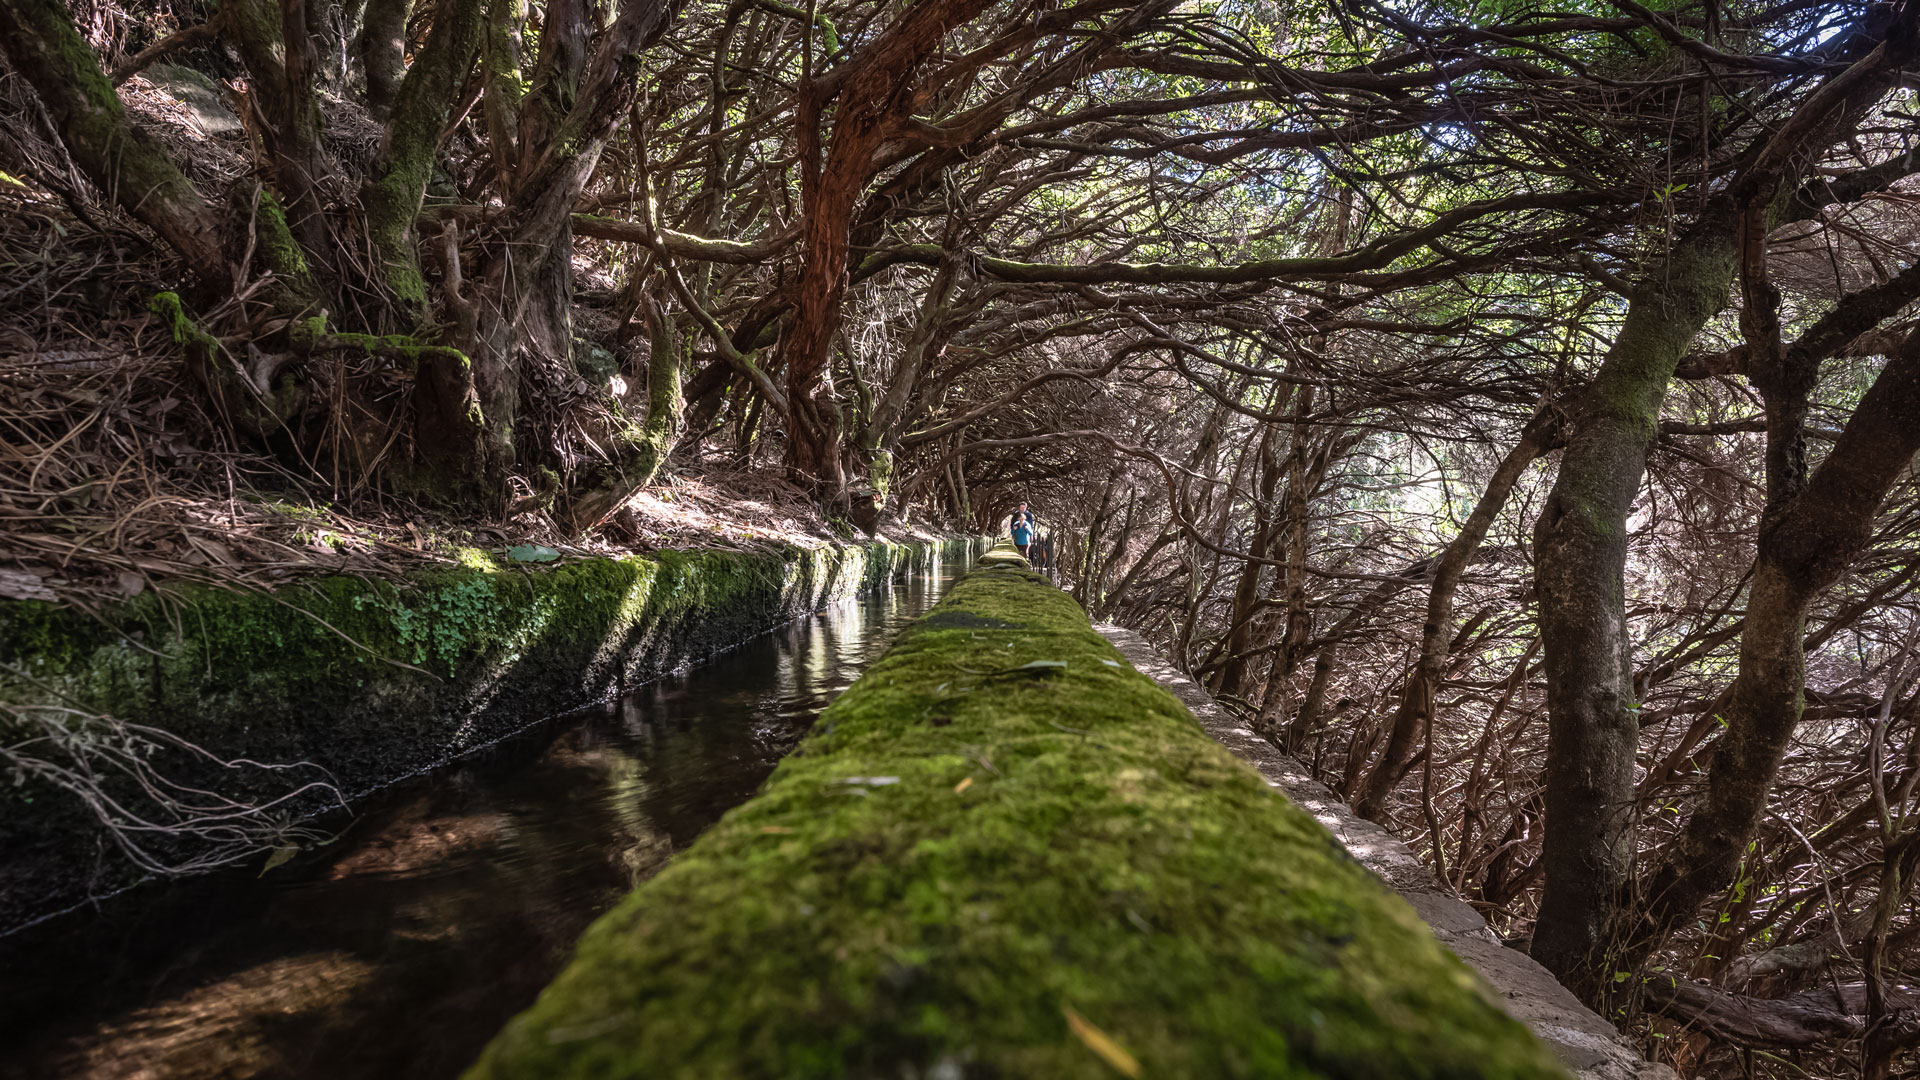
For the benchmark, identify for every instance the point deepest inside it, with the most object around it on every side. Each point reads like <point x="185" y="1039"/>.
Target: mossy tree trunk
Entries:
<point x="417" y="111"/>
<point x="41" y="43"/>
<point x="503" y="291"/>
<point x="1814" y="525"/>
<point x="522" y="333"/>
<point x="643" y="450"/>
<point x="664" y="402"/>
<point x="1584" y="933"/>
<point x="1580" y="552"/>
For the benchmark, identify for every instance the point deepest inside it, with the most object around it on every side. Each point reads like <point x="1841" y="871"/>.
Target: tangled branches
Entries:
<point x="164" y="826"/>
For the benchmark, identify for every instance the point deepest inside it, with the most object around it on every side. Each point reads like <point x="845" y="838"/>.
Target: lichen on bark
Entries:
<point x="259" y="410"/>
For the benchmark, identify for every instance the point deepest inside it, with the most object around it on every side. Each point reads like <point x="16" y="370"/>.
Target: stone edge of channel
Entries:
<point x="1586" y="1043"/>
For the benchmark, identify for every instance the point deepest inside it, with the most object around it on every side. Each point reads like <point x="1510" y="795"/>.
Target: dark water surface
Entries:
<point x="400" y="949"/>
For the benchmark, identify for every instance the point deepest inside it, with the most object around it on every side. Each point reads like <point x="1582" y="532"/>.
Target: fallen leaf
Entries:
<point x="532" y="553"/>
<point x="1097" y="1041"/>
<point x="130" y="583"/>
<point x="963" y="785"/>
<point x="280" y="856"/>
<point x="215" y="550"/>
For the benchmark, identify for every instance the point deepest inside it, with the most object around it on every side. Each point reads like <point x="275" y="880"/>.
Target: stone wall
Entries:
<point x="366" y="680"/>
<point x="1585" y="1042"/>
<point x="1006" y="853"/>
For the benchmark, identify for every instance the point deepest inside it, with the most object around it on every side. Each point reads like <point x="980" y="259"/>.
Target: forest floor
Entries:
<point x="115" y="473"/>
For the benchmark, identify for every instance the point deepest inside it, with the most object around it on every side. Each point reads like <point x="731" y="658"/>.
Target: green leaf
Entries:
<point x="531" y="553"/>
<point x="280" y="857"/>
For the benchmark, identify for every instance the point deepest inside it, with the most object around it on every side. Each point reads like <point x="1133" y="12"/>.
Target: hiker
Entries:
<point x="1022" y="528"/>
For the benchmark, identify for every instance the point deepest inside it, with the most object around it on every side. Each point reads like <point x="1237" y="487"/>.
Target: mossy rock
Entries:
<point x="1006" y="853"/>
<point x="594" y="360"/>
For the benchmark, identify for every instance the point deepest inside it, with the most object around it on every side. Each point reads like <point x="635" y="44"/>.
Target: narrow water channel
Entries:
<point x="447" y="905"/>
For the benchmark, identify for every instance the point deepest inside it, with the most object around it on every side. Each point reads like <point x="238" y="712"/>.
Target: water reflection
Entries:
<point x="445" y="908"/>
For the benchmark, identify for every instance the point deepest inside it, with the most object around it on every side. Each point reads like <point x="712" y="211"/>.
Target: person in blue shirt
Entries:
<point x="1022" y="529"/>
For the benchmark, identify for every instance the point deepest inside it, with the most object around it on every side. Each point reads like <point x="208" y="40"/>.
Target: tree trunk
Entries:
<point x="1802" y="552"/>
<point x="1832" y="1014"/>
<point x="525" y="311"/>
<point x="1246" y="592"/>
<point x="881" y="435"/>
<point x="642" y="452"/>
<point x="420" y="104"/>
<point x="1580" y="550"/>
<point x="382" y="45"/>
<point x="875" y="94"/>
<point x="42" y="44"/>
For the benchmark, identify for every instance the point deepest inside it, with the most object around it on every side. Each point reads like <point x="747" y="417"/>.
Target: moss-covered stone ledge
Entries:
<point x="373" y="680"/>
<point x="1005" y="853"/>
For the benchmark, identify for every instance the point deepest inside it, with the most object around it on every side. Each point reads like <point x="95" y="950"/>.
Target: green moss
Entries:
<point x="299" y="511"/>
<point x="312" y="333"/>
<point x="371" y="679"/>
<point x="1001" y="822"/>
<point x="180" y="326"/>
<point x="253" y="411"/>
<point x="279" y="251"/>
<point x="475" y="559"/>
<point x="208" y="655"/>
<point x="43" y="639"/>
<point x="420" y="111"/>
<point x="393" y="201"/>
<point x="880" y="472"/>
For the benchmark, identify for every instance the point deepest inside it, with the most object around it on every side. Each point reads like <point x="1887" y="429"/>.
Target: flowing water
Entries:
<point x="445" y="907"/>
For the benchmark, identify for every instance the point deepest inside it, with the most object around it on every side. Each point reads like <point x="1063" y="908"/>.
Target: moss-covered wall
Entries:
<point x="1005" y="853"/>
<point x="374" y="680"/>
